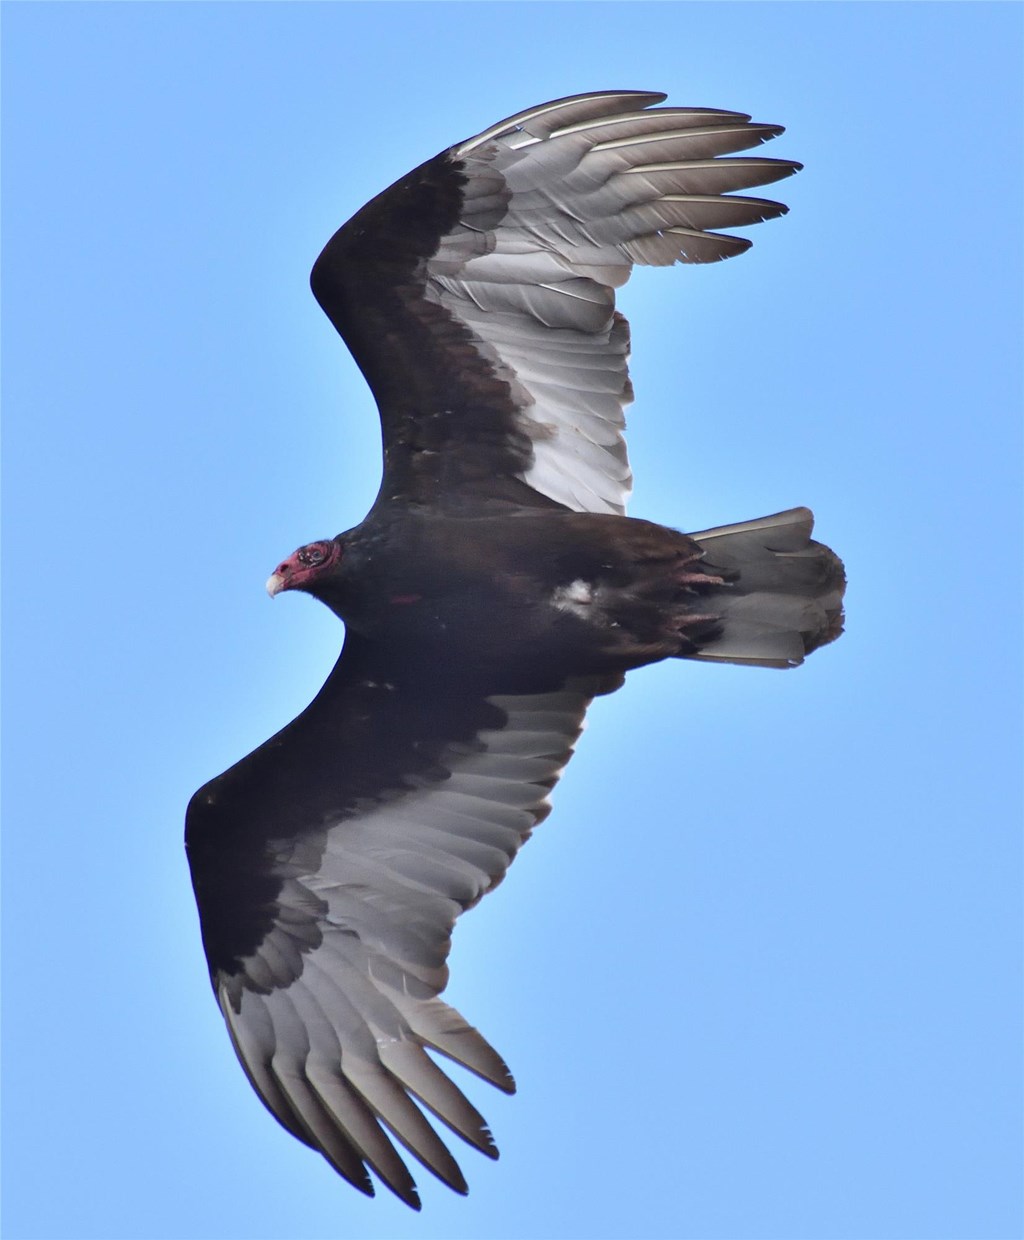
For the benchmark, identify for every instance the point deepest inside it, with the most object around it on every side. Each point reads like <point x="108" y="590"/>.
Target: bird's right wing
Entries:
<point x="477" y="294"/>
<point x="329" y="868"/>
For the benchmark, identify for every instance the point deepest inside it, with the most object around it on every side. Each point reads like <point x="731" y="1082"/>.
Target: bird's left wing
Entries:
<point x="477" y="294"/>
<point x="329" y="868"/>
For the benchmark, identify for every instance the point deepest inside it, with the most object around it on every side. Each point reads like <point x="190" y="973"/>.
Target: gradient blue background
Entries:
<point x="758" y="976"/>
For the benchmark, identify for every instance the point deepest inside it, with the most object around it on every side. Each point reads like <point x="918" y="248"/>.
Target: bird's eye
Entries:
<point x="312" y="556"/>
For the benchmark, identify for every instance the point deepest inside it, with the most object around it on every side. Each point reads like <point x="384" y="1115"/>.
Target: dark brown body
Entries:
<point x="571" y="592"/>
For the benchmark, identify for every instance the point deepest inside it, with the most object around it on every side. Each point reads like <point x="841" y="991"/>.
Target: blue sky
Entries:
<point x="758" y="976"/>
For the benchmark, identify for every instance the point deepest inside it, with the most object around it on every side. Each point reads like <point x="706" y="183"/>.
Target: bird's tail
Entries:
<point x="782" y="594"/>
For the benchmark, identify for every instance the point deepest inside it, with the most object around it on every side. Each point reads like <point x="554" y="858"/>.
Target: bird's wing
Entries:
<point x="330" y="866"/>
<point x="477" y="294"/>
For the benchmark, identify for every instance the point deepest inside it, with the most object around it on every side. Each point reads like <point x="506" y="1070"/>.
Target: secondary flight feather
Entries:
<point x="493" y="590"/>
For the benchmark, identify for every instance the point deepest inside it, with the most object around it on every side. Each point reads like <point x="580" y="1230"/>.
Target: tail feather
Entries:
<point x="783" y="593"/>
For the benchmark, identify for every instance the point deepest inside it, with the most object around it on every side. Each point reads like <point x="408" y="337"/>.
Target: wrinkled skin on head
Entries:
<point x="303" y="567"/>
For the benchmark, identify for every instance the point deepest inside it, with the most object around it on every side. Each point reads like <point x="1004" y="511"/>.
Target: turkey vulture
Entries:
<point x="493" y="590"/>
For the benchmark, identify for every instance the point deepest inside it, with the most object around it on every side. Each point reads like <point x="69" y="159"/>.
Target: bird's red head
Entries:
<point x="303" y="567"/>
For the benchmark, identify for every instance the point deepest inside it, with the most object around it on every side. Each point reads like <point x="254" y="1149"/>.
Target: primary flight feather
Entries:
<point x="493" y="590"/>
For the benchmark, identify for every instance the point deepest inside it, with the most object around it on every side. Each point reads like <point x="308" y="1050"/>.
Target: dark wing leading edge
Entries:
<point x="330" y="866"/>
<point x="477" y="294"/>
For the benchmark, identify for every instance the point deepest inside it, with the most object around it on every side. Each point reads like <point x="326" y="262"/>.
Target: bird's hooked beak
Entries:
<point x="276" y="583"/>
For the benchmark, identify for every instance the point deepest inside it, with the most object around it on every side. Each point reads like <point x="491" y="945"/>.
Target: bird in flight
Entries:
<point x="494" y="589"/>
